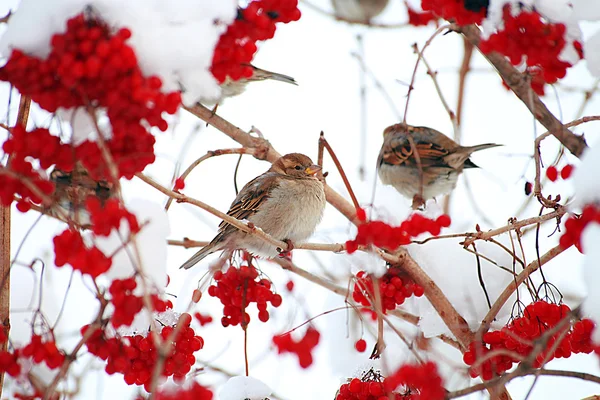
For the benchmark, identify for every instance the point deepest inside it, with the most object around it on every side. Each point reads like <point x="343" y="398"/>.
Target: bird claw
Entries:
<point x="287" y="252"/>
<point x="418" y="202"/>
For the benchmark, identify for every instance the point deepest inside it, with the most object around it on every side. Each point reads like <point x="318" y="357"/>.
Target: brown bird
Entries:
<point x="441" y="160"/>
<point x="362" y="11"/>
<point x="73" y="188"/>
<point x="287" y="202"/>
<point x="231" y="88"/>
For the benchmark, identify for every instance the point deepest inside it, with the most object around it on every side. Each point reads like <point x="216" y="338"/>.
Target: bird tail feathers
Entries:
<point x="199" y="256"/>
<point x="264" y="74"/>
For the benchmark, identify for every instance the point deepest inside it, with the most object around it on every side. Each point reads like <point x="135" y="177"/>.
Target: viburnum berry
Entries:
<point x="566" y="171"/>
<point x="302" y="348"/>
<point x="394" y="288"/>
<point x="518" y="335"/>
<point x="552" y="173"/>
<point x="135" y="356"/>
<point x="237" y="288"/>
<point x="575" y="225"/>
<point x="455" y="10"/>
<point x="289" y="285"/>
<point x="388" y="237"/>
<point x="360" y="345"/>
<point x="179" y="184"/>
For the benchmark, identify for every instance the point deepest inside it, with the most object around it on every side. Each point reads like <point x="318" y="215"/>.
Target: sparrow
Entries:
<point x="358" y="10"/>
<point x="231" y="88"/>
<point x="73" y="188"/>
<point x="441" y="158"/>
<point x="287" y="202"/>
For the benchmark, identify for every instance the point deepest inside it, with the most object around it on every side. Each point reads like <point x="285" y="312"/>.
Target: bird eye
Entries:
<point x="298" y="167"/>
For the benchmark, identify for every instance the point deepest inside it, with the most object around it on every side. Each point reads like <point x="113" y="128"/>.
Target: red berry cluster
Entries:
<point x="195" y="391"/>
<point x="135" y="356"/>
<point x="41" y="351"/>
<point x="69" y="248"/>
<point x="236" y="47"/>
<point x="394" y="288"/>
<point x="237" y="288"/>
<point x="518" y="336"/>
<point x="89" y="66"/>
<point x="575" y="225"/>
<point x="454" y="10"/>
<point x="302" y="348"/>
<point x="565" y="172"/>
<point x="528" y="36"/>
<point x="388" y="237"/>
<point x="39" y="144"/>
<point x="127" y="305"/>
<point x="423" y="380"/>
<point x="13" y="185"/>
<point x="9" y="363"/>
<point x="106" y="217"/>
<point x="419" y="18"/>
<point x="358" y="389"/>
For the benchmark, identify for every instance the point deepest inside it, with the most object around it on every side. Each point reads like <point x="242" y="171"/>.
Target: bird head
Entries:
<point x="296" y="165"/>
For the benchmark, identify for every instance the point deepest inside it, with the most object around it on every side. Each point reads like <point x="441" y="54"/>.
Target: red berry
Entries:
<point x="360" y="345"/>
<point x="552" y="173"/>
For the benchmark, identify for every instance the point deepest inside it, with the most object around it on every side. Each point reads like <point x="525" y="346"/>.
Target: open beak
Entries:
<point x="313" y="169"/>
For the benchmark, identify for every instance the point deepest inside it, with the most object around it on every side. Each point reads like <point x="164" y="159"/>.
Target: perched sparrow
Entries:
<point x="286" y="202"/>
<point x="231" y="88"/>
<point x="73" y="188"/>
<point x="441" y="158"/>
<point x="358" y="10"/>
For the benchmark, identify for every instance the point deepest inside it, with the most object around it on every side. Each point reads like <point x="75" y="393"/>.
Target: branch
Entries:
<point x="5" y="221"/>
<point x="520" y="85"/>
<point x="519" y="373"/>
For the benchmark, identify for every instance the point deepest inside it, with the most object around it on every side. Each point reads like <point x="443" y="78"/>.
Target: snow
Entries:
<point x="244" y="388"/>
<point x="592" y="54"/>
<point x="174" y="40"/>
<point x="591" y="270"/>
<point x="585" y="177"/>
<point x="586" y="10"/>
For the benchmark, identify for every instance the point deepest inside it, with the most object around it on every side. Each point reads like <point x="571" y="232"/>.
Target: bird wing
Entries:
<point x="249" y="201"/>
<point x="398" y="151"/>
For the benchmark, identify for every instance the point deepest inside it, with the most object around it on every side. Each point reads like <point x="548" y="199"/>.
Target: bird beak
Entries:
<point x="313" y="169"/>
